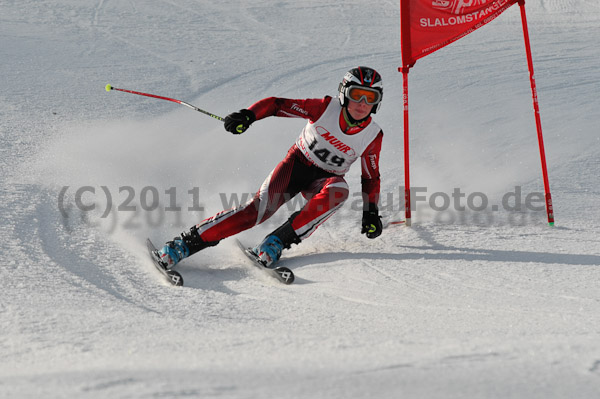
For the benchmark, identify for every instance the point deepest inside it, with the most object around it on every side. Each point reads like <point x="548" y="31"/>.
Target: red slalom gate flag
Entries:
<point x="429" y="25"/>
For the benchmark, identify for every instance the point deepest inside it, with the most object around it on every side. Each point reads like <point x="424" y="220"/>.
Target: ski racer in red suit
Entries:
<point x="337" y="134"/>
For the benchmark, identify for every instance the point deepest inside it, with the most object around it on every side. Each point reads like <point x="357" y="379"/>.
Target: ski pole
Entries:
<point x="109" y="88"/>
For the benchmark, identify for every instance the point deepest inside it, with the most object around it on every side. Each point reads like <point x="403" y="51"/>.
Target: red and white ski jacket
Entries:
<point x="327" y="141"/>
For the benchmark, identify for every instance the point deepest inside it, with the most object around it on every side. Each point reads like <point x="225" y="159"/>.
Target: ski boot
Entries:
<point x="181" y="247"/>
<point x="269" y="250"/>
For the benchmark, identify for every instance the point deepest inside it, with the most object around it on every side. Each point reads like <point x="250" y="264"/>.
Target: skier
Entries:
<point x="336" y="135"/>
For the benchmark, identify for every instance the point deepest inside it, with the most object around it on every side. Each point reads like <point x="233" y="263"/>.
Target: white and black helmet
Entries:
<point x="364" y="78"/>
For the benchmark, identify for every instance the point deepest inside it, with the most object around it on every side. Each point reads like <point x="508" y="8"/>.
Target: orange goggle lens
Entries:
<point x="371" y="96"/>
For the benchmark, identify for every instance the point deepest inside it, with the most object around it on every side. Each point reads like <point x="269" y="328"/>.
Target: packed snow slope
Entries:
<point x="479" y="300"/>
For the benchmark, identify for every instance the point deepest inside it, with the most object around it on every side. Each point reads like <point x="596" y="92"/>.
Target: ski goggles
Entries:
<point x="358" y="93"/>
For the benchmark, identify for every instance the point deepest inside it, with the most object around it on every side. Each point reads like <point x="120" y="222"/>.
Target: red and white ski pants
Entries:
<point x="324" y="191"/>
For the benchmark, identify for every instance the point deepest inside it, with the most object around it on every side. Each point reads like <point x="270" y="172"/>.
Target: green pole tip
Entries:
<point x="551" y="224"/>
<point x="108" y="87"/>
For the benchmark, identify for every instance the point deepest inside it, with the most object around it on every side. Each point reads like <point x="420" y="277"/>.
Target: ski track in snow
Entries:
<point x="462" y="304"/>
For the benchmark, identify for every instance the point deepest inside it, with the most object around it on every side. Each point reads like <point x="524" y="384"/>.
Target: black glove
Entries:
<point x="238" y="122"/>
<point x="371" y="222"/>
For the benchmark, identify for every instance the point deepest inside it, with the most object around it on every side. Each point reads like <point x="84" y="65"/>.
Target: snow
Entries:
<point x="463" y="304"/>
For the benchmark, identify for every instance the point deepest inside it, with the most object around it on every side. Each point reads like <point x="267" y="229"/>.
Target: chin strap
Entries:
<point x="350" y="120"/>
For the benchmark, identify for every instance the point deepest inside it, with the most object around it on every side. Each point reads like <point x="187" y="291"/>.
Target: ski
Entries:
<point x="173" y="277"/>
<point x="282" y="274"/>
